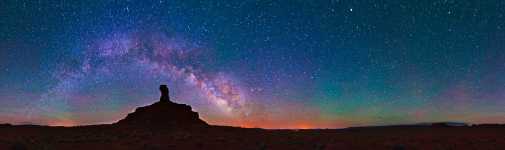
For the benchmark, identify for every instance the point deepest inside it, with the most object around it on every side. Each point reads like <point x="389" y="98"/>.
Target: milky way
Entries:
<point x="145" y="55"/>
<point x="271" y="64"/>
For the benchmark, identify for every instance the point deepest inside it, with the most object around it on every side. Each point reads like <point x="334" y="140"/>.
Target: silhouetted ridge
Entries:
<point x="164" y="113"/>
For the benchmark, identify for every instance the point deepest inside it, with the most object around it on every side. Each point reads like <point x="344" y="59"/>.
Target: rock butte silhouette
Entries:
<point x="163" y="114"/>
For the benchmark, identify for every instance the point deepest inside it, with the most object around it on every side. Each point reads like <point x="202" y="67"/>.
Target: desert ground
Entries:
<point x="216" y="137"/>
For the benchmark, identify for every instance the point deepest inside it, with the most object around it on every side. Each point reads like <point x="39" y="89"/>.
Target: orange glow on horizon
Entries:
<point x="64" y="123"/>
<point x="304" y="126"/>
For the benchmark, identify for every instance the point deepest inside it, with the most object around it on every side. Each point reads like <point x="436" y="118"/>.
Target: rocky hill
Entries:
<point x="163" y="114"/>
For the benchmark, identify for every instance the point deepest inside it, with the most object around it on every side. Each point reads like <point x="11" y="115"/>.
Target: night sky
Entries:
<point x="249" y="63"/>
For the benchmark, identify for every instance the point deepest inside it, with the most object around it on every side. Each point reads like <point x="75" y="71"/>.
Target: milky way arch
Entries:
<point x="154" y="54"/>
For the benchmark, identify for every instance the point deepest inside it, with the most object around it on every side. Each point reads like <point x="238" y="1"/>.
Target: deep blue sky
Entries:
<point x="274" y="64"/>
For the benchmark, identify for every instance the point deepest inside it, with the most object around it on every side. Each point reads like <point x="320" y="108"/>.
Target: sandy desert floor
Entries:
<point x="387" y="138"/>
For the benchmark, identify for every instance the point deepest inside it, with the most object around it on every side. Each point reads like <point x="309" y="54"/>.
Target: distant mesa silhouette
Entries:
<point x="163" y="114"/>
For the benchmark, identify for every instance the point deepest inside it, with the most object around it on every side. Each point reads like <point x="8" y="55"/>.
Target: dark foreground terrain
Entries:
<point x="166" y="125"/>
<point x="391" y="138"/>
